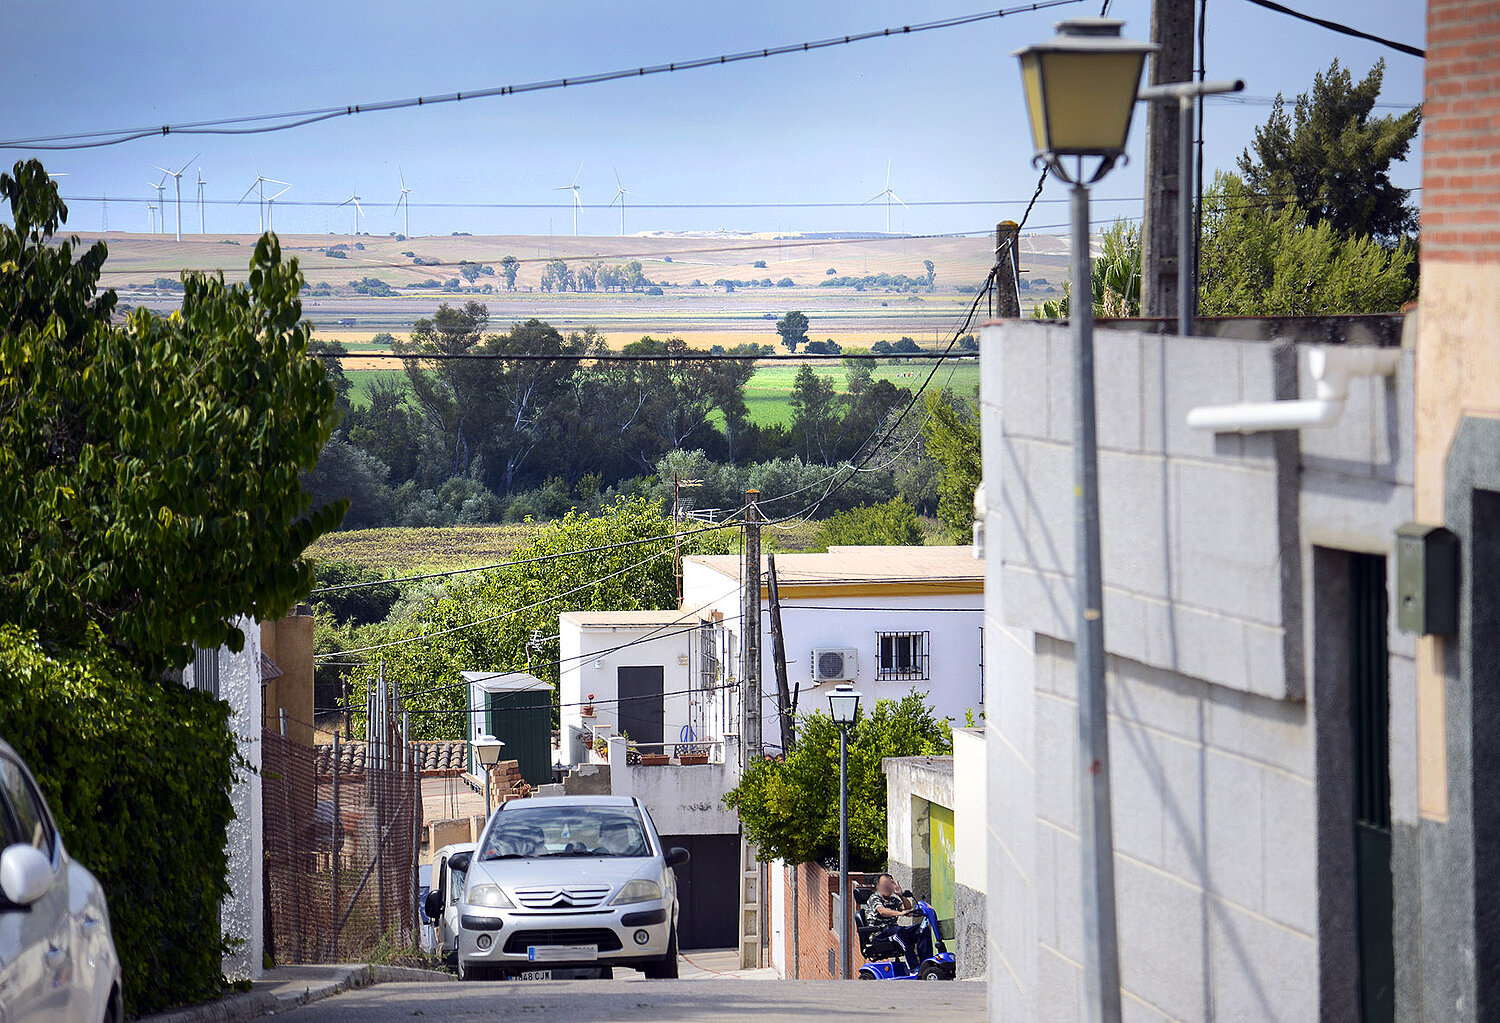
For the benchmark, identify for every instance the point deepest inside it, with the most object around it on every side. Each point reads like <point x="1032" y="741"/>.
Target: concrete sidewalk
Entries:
<point x="287" y="987"/>
<point x="719" y="964"/>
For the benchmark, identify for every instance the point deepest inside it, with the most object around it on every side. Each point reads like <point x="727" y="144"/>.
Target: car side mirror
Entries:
<point x="432" y="906"/>
<point x="677" y="856"/>
<point x="459" y="861"/>
<point x="25" y="874"/>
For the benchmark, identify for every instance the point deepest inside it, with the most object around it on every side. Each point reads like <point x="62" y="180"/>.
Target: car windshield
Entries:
<point x="525" y="832"/>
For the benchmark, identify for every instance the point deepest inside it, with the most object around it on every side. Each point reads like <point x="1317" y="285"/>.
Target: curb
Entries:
<point x="252" y="1004"/>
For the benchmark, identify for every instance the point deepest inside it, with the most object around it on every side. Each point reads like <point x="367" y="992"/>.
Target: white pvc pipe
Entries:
<point x="1331" y="369"/>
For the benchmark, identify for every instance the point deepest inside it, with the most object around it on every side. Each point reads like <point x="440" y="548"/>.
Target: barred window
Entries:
<point x="206" y="670"/>
<point x="710" y="667"/>
<point x="903" y="655"/>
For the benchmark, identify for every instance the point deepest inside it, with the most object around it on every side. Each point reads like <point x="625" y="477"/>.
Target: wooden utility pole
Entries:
<point x="778" y="653"/>
<point x="1172" y="30"/>
<point x="1007" y="289"/>
<point x="750" y="629"/>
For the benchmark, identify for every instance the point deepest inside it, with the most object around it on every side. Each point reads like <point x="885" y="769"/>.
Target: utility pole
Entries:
<point x="1007" y="288"/>
<point x="1161" y="276"/>
<point x="778" y="652"/>
<point x="750" y="627"/>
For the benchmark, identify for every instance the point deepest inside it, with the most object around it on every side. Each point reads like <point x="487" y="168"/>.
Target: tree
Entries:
<point x="793" y="330"/>
<point x="815" y="413"/>
<point x="331" y="355"/>
<point x="790" y="806"/>
<point x="509" y="265"/>
<point x="931" y="269"/>
<point x="345" y="472"/>
<point x="145" y="489"/>
<point x="1271" y="262"/>
<point x="893" y="524"/>
<point x="453" y="392"/>
<point x="468" y="271"/>
<point x="1117" y="278"/>
<point x="952" y="434"/>
<point x="829" y="347"/>
<point x="1331" y="158"/>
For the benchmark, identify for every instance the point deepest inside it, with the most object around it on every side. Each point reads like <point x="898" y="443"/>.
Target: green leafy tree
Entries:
<point x="509" y="267"/>
<point x="893" y="524"/>
<point x="149" y="472"/>
<point x="1271" y="262"/>
<point x="931" y="269"/>
<point x="1331" y="159"/>
<point x="816" y="413"/>
<point x="1117" y="278"/>
<point x="952" y="434"/>
<point x="494" y="618"/>
<point x="789" y="807"/>
<point x="793" y="329"/>
<point x="468" y="271"/>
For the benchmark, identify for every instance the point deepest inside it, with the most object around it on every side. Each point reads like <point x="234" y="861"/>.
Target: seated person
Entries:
<point x="886" y="907"/>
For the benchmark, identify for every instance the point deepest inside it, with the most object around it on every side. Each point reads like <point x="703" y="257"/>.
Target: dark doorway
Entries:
<point x="641" y="703"/>
<point x="707" y="893"/>
<point x="1370" y="710"/>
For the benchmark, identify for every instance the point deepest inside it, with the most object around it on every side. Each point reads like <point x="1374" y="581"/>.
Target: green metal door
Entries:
<point x="523" y="721"/>
<point x="1372" y="786"/>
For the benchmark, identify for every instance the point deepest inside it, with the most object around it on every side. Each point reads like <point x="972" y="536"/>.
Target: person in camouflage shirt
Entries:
<point x="886" y="906"/>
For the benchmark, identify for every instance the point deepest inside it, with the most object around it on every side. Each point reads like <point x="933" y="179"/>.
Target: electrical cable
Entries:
<point x="246" y="125"/>
<point x="1334" y="26"/>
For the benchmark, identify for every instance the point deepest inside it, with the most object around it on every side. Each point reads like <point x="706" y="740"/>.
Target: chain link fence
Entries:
<point x="342" y="825"/>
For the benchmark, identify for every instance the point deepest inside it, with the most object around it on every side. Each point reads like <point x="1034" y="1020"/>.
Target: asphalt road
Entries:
<point x="604" y="1001"/>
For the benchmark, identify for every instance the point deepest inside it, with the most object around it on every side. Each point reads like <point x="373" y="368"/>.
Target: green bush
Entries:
<point x="137" y="773"/>
<point x="893" y="524"/>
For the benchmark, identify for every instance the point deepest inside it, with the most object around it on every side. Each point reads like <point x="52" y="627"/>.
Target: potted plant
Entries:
<point x="693" y="759"/>
<point x="601" y="746"/>
<point x="655" y="759"/>
<point x="632" y="752"/>
<point x="588" y="708"/>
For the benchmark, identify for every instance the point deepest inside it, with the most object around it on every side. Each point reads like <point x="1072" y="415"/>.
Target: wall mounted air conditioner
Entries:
<point x="835" y="664"/>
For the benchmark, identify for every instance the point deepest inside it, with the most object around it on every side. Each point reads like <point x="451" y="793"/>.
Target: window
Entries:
<point x="32" y="824"/>
<point x="206" y="670"/>
<point x="903" y="655"/>
<point x="710" y="667"/>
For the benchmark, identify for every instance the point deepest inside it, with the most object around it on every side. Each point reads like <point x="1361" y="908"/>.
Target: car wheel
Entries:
<point x="865" y="973"/>
<point x="666" y="967"/>
<point x="468" y="971"/>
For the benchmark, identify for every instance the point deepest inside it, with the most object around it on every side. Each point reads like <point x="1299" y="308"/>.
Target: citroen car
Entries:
<point x="566" y="883"/>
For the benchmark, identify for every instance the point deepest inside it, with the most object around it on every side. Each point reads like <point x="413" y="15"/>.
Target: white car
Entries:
<point x="57" y="956"/>
<point x="442" y="902"/>
<point x="568" y="883"/>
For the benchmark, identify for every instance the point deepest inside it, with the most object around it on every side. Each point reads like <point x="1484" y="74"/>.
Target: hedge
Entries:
<point x="137" y="773"/>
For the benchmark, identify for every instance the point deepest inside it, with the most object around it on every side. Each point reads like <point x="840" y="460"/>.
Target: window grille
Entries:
<point x="710" y="667"/>
<point x="206" y="670"/>
<point x="903" y="655"/>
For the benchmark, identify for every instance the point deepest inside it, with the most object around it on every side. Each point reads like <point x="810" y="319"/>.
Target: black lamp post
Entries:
<point x="843" y="704"/>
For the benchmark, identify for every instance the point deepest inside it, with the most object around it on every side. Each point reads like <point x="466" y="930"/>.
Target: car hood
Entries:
<point x="563" y="871"/>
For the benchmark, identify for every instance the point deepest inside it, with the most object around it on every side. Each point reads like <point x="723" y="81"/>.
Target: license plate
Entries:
<point x="561" y="953"/>
<point x="536" y="974"/>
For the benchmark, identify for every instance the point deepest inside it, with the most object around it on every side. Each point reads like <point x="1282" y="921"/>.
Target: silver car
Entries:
<point x="57" y="956"/>
<point x="569" y="882"/>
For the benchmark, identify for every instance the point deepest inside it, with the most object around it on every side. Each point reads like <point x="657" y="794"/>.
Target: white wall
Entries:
<point x="956" y="681"/>
<point x="681" y="800"/>
<point x="591" y="659"/>
<point x="970" y="839"/>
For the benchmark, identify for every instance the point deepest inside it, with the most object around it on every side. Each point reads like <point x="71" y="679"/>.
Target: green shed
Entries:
<point x="516" y="708"/>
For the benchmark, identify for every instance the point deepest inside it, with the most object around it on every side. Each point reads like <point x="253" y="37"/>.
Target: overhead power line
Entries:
<point x="1334" y="26"/>
<point x="252" y="125"/>
<point x="691" y="356"/>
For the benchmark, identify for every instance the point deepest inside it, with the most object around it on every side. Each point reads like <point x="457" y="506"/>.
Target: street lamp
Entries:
<point x="487" y="749"/>
<point x="843" y="704"/>
<point x="1080" y="93"/>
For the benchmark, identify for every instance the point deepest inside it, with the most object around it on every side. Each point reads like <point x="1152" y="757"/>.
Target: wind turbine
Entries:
<point x="402" y="200"/>
<point x="888" y="195"/>
<point x="201" y="222"/>
<point x="176" y="177"/>
<point x="358" y="211"/>
<point x="152" y="211"/>
<point x="259" y="184"/>
<point x="577" y="202"/>
<point x="620" y="193"/>
<point x="271" y="206"/>
<point x="161" y="201"/>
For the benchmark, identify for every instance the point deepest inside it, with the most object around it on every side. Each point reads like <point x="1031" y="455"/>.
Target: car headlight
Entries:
<point x="488" y="895"/>
<point x="637" y="891"/>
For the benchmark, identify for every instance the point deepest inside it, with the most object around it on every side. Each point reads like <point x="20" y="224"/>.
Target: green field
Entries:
<point x="768" y="395"/>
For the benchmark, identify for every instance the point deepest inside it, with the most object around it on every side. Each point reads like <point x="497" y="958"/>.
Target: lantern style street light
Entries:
<point x="1081" y="90"/>
<point x="487" y="749"/>
<point x="843" y="704"/>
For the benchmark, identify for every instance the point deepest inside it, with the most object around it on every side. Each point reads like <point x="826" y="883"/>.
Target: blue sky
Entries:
<point x="944" y="108"/>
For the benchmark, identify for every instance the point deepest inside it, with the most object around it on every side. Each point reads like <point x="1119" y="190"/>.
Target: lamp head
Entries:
<point x="843" y="704"/>
<point x="487" y="748"/>
<point x="1081" y="89"/>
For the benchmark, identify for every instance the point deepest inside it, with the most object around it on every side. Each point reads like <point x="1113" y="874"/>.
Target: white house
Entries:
<point x="888" y="619"/>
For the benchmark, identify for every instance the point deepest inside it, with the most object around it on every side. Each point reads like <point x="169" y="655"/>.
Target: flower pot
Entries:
<point x="654" y="759"/>
<point x="587" y="712"/>
<point x="692" y="759"/>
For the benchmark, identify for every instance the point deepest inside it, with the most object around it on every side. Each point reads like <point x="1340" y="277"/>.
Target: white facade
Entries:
<point x="928" y="601"/>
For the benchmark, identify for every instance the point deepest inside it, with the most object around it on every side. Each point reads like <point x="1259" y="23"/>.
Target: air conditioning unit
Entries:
<point x="835" y="664"/>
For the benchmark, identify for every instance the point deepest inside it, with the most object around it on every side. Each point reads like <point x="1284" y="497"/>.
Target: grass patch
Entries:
<point x="413" y="550"/>
<point x="768" y="395"/>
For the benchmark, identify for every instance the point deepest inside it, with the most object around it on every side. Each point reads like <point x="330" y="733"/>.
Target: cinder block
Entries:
<point x="1046" y="887"/>
<point x="1184" y="810"/>
<point x="1235" y="843"/>
<point x="1117" y="389"/>
<point x="1157" y="698"/>
<point x="1395" y="436"/>
<point x="1275" y="732"/>
<point x="1403" y="739"/>
<point x="1209" y="646"/>
<point x="1023" y="380"/>
<point x="1133" y="522"/>
<point x="1124" y="624"/>
<point x="1153" y="393"/>
<point x="1060" y="386"/>
<point x="1041" y="603"/>
<point x="1069" y="901"/>
<point x="1267" y="672"/>
<point x="1348" y="446"/>
<point x="1050" y="508"/>
<point x="1227" y="557"/>
<point x="1163" y="943"/>
<point x="1290" y="826"/>
<point x="1135" y="787"/>
<point x="1261" y="971"/>
<point x="1057" y="760"/>
<point x="1199" y="371"/>
<point x="1059" y="996"/>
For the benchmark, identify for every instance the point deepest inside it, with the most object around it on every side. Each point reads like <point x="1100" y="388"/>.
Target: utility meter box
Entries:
<point x="1426" y="580"/>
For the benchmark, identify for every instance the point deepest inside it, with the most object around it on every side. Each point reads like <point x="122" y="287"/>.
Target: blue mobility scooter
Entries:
<point x="885" y="959"/>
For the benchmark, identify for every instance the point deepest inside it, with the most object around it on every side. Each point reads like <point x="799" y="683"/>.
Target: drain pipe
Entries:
<point x="1331" y="369"/>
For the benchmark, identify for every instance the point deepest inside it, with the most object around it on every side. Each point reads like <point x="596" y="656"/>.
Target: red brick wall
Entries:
<point x="1461" y="126"/>
<point x="816" y="927"/>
